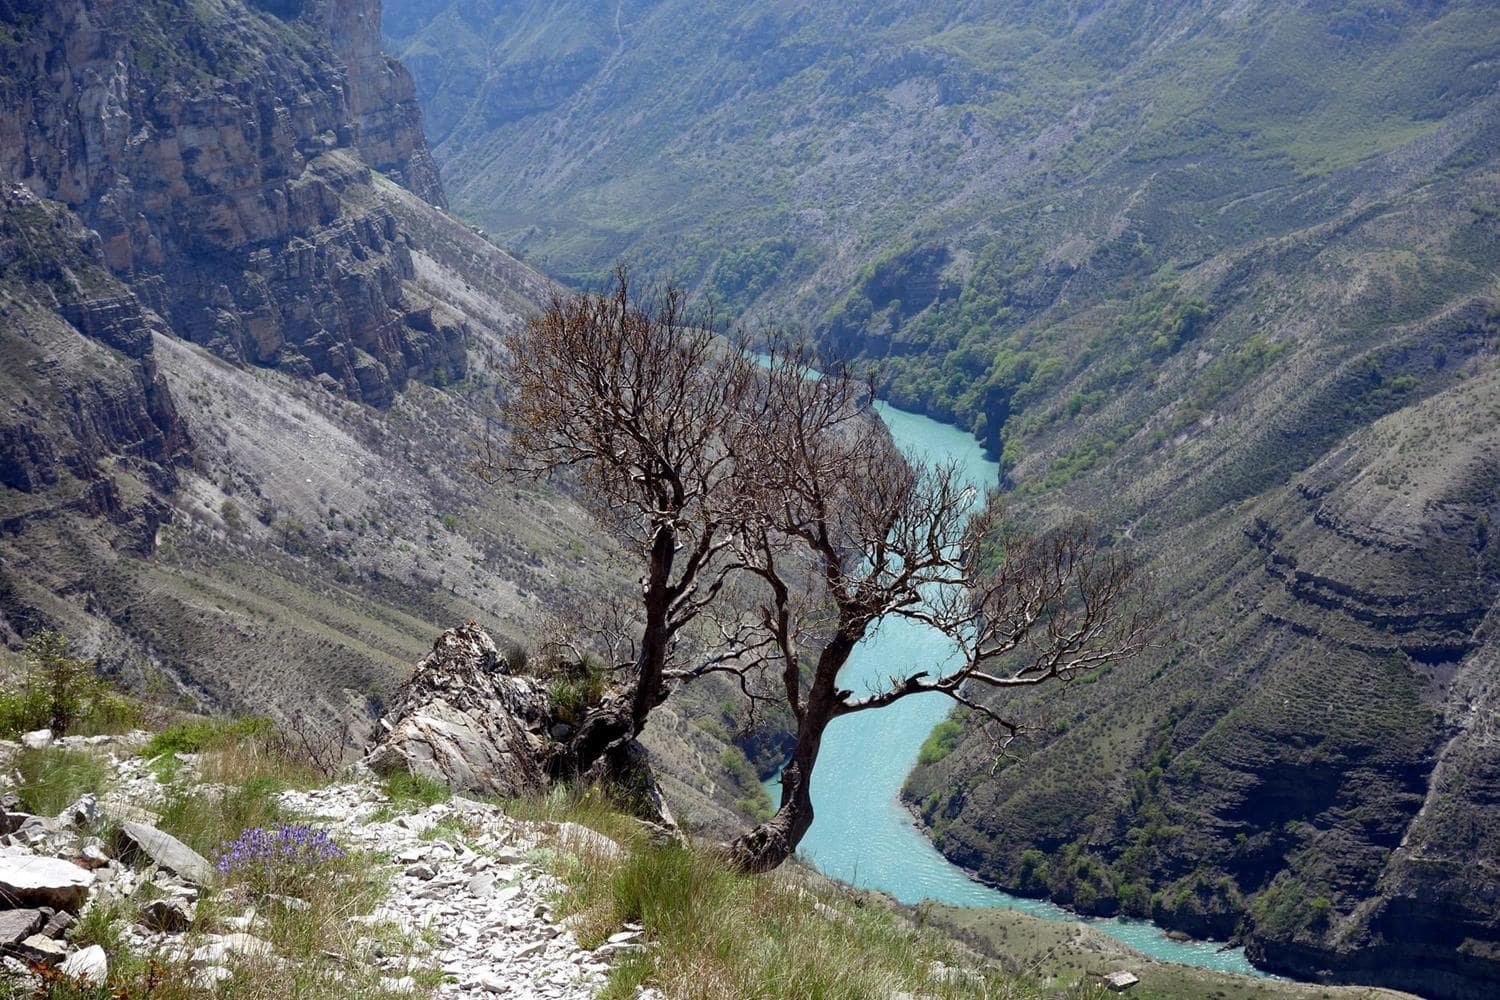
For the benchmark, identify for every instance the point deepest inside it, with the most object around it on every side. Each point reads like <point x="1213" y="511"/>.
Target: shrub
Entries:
<point x="941" y="742"/>
<point x="61" y="692"/>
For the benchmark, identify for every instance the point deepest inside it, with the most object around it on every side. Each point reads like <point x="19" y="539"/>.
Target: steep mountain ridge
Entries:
<point x="1189" y="268"/>
<point x="246" y="358"/>
<point x="190" y="378"/>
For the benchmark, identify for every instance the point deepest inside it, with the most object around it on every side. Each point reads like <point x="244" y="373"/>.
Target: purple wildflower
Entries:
<point x="284" y="848"/>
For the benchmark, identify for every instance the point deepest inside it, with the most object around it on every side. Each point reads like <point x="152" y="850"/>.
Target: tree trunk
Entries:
<point x="766" y="846"/>
<point x="772" y="842"/>
<point x="651" y="660"/>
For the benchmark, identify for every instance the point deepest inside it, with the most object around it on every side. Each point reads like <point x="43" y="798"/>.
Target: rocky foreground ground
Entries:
<point x="476" y="907"/>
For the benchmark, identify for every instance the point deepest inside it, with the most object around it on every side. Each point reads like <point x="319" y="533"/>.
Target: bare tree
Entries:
<point x="850" y="532"/>
<point x="645" y="400"/>
<point x="778" y="485"/>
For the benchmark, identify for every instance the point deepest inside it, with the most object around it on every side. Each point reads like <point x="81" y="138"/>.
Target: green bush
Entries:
<point x="942" y="741"/>
<point x="61" y="692"/>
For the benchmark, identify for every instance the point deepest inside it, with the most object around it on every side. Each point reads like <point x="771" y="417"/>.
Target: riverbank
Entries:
<point x="1055" y="953"/>
<point x="1139" y="937"/>
<point x="863" y="834"/>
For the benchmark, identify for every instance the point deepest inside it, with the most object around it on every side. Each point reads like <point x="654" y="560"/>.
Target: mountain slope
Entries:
<point x="222" y="464"/>
<point x="1225" y="276"/>
<point x="243" y="372"/>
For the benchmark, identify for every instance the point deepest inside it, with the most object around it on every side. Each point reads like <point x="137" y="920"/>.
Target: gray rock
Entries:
<point x="58" y="924"/>
<point x="18" y="925"/>
<point x="29" y="880"/>
<point x="93" y="855"/>
<point x="170" y="915"/>
<point x="38" y="739"/>
<point x="289" y="902"/>
<point x="82" y="813"/>
<point x="464" y="721"/>
<point x="164" y="850"/>
<point x="1120" y="981"/>
<point x="216" y="952"/>
<point x="41" y="949"/>
<point x="10" y="822"/>
<point x="34" y="828"/>
<point x="89" y="965"/>
<point x="211" y="976"/>
<point x="582" y="840"/>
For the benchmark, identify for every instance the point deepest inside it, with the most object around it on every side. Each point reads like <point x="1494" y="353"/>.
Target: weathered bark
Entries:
<point x="768" y="845"/>
<point x="656" y="639"/>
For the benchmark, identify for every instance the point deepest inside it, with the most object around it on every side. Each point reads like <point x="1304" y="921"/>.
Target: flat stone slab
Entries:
<point x="166" y="851"/>
<point x="29" y="880"/>
<point x="18" y="925"/>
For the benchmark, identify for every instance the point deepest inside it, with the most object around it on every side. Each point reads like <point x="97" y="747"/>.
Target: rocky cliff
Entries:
<point x="218" y="455"/>
<point x="244" y="358"/>
<point x="222" y="158"/>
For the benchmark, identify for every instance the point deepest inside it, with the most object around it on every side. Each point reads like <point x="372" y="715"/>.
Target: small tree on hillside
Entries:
<point x="779" y="485"/>
<point x="646" y="402"/>
<point x="853" y="533"/>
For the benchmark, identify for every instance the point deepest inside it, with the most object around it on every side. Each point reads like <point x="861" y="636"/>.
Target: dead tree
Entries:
<point x="645" y="401"/>
<point x="850" y="533"/>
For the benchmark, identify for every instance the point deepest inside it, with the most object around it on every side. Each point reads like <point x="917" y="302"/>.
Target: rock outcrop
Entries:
<point x="464" y="720"/>
<point x="163" y="850"/>
<point x="382" y="100"/>
<point x="30" y="881"/>
<point x="219" y="158"/>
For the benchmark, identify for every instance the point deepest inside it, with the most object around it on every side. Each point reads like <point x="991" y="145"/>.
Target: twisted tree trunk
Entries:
<point x="766" y="846"/>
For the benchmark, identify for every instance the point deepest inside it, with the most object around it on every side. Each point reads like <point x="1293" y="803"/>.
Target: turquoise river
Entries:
<point x="862" y="834"/>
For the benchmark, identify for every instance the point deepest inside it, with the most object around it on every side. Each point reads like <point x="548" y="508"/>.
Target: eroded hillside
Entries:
<point x="246" y="358"/>
<point x="1224" y="276"/>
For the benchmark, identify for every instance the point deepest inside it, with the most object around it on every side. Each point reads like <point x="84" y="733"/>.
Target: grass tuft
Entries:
<point x="410" y="792"/>
<point x="715" y="934"/>
<point x="52" y="778"/>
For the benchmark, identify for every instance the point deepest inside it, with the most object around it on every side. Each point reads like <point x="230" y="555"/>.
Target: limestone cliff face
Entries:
<point x="219" y="158"/>
<point x="218" y="458"/>
<point x="382" y="100"/>
<point x="88" y="426"/>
